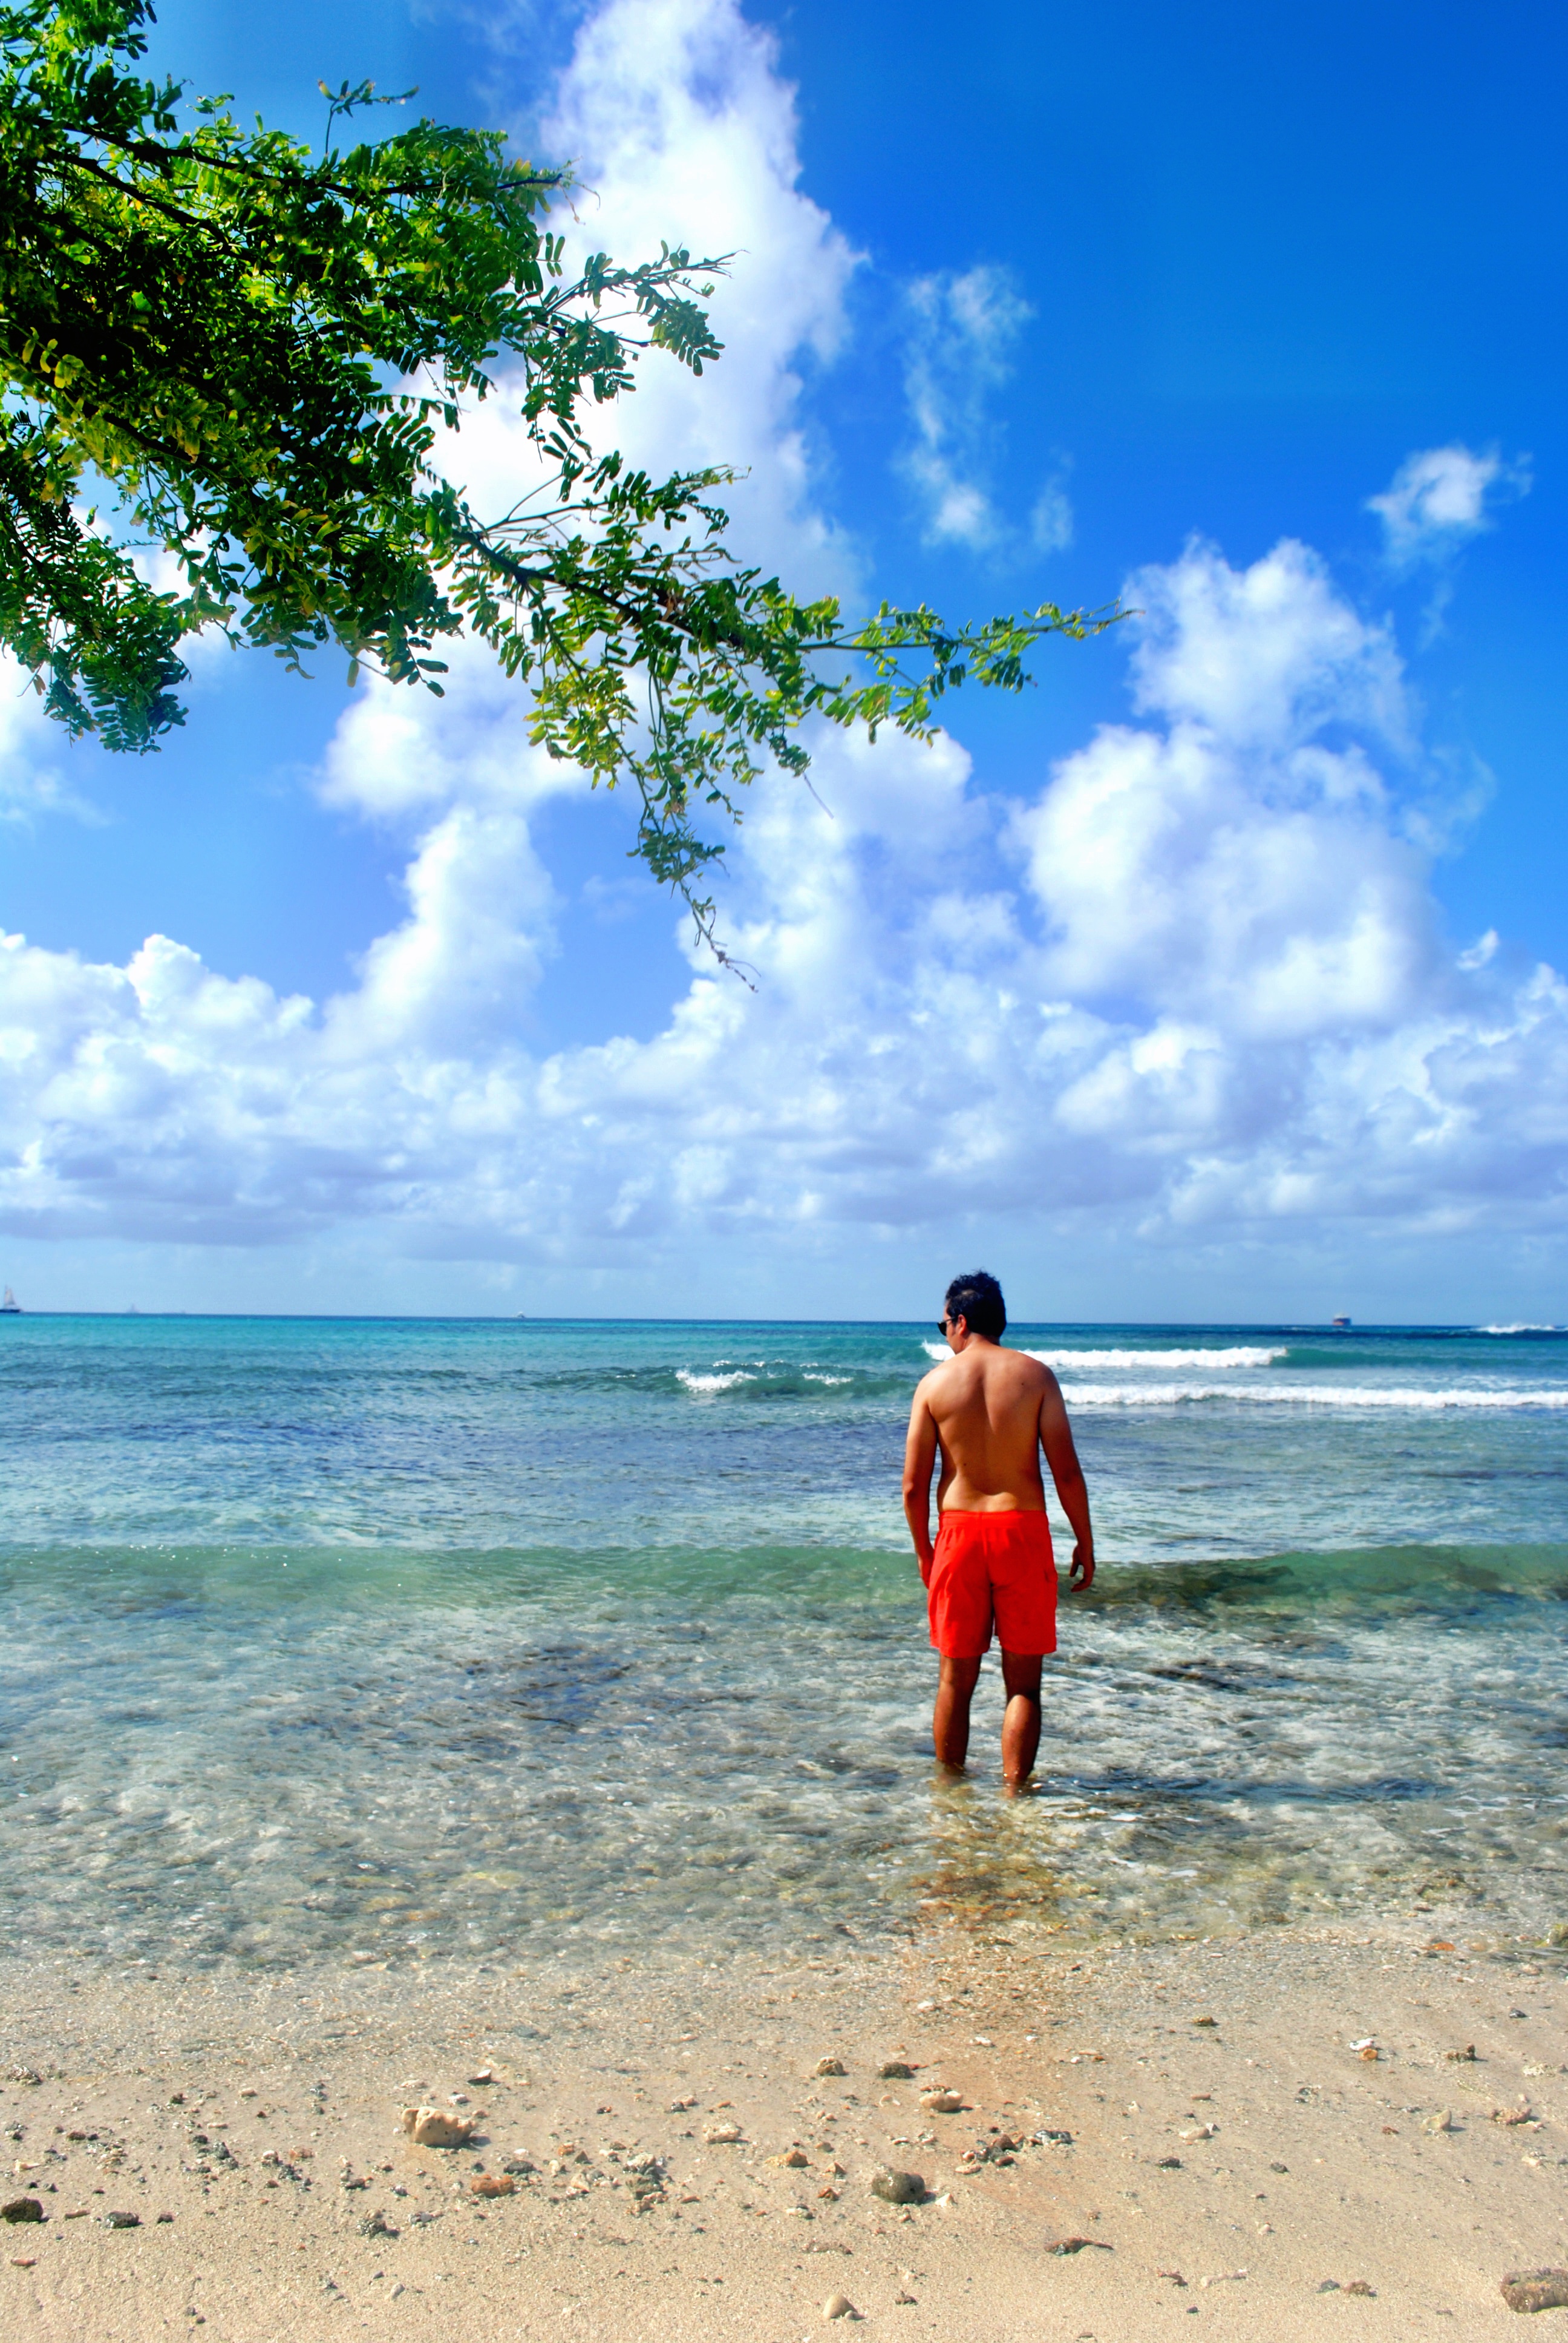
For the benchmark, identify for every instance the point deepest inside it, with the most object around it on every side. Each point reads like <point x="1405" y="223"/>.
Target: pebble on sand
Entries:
<point x="1442" y="2121"/>
<point x="21" y="2208"/>
<point x="1205" y="2021"/>
<point x="829" y="2067"/>
<point x="942" y="2103"/>
<point x="794" y="2160"/>
<point x="725" y="2135"/>
<point x="894" y="2070"/>
<point x="122" y="2220"/>
<point x="434" y="2127"/>
<point x="895" y="2187"/>
<point x="839" y="2306"/>
<point x="493" y="2184"/>
<point x="1539" y="2289"/>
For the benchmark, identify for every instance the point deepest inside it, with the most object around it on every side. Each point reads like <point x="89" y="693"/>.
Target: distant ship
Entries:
<point x="10" y="1307"/>
<point x="1342" y="1324"/>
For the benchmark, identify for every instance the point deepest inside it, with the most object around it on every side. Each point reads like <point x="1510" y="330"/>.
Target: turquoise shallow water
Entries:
<point x="402" y="1639"/>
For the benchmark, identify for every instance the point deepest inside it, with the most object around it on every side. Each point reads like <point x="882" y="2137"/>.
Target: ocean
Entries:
<point x="389" y="1641"/>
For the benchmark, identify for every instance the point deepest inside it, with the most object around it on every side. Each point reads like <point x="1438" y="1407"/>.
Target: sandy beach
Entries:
<point x="1285" y="2136"/>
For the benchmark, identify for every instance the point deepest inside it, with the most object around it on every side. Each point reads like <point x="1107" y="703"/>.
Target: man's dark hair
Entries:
<point x="977" y="1299"/>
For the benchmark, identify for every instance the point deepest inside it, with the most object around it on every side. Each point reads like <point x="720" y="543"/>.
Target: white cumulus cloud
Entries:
<point x="1195" y="986"/>
<point x="1440" y="497"/>
<point x="963" y="328"/>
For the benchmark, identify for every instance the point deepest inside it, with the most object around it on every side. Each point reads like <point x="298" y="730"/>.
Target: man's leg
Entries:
<point x="950" y="1725"/>
<point x="1021" y="1719"/>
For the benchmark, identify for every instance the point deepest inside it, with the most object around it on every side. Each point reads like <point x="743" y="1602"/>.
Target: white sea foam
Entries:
<point x="705" y="1385"/>
<point x="1283" y="1393"/>
<point x="1240" y="1355"/>
<point x="1527" y="1326"/>
<point x="1243" y="1354"/>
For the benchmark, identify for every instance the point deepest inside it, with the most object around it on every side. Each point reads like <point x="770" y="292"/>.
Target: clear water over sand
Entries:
<point x="396" y="1640"/>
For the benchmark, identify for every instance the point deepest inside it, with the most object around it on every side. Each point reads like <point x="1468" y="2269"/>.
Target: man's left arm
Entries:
<point x="920" y="1458"/>
<point x="1056" y="1439"/>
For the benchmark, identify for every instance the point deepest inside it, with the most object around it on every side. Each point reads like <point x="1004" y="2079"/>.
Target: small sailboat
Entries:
<point x="10" y="1307"/>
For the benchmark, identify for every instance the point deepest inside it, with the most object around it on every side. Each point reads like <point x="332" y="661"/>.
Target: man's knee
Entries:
<point x="1020" y="1675"/>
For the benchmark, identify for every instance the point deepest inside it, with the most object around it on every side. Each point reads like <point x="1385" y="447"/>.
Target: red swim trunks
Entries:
<point x="992" y="1566"/>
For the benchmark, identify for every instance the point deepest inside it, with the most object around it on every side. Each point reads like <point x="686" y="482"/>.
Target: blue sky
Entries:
<point x="1064" y="299"/>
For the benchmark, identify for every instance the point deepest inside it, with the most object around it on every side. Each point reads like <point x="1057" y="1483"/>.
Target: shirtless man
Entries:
<point x="990" y="1412"/>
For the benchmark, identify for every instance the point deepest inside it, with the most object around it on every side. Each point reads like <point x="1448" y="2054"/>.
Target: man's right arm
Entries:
<point x="920" y="1457"/>
<point x="1056" y="1439"/>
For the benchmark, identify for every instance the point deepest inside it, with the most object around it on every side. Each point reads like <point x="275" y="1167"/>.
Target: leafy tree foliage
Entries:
<point x="256" y="347"/>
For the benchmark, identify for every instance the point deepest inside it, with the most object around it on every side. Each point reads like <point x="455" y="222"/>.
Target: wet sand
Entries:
<point x="1274" y="2172"/>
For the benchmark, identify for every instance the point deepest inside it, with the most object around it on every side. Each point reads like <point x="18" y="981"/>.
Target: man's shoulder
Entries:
<point x="1023" y="1371"/>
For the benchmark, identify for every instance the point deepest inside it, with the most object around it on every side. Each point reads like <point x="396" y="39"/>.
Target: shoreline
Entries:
<point x="1301" y="2122"/>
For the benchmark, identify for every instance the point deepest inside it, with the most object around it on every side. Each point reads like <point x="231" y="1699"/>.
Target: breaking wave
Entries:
<point x="1240" y="1355"/>
<point x="1286" y="1393"/>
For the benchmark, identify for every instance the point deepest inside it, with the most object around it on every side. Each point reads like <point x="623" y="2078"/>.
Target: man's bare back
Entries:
<point x="987" y="1415"/>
